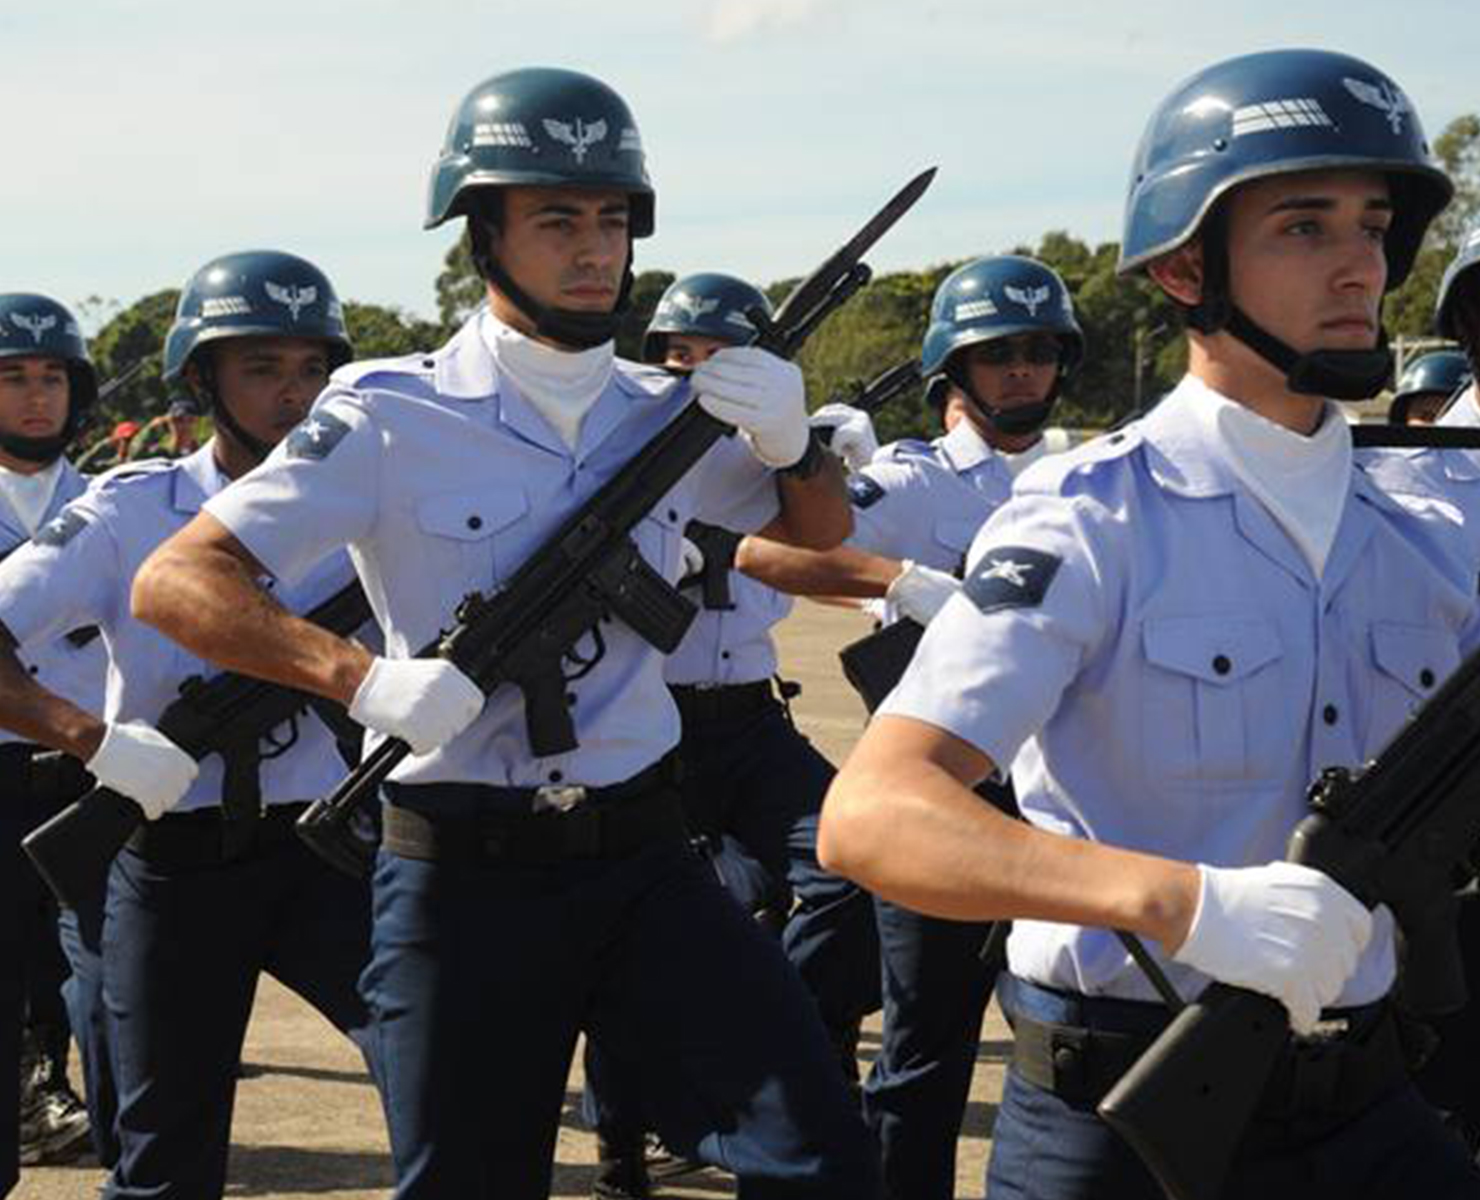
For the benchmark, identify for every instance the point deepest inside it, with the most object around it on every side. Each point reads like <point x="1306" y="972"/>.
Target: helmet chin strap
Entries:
<point x="256" y="447"/>
<point x="1015" y="420"/>
<point x="1334" y="374"/>
<point x="572" y="328"/>
<point x="43" y="450"/>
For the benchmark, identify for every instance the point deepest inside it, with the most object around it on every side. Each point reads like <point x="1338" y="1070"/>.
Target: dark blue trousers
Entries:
<point x="758" y="785"/>
<point x="182" y="949"/>
<point x="763" y="782"/>
<point x="12" y="829"/>
<point x="1045" y="1148"/>
<point x="936" y="989"/>
<point x="82" y="942"/>
<point x="486" y="973"/>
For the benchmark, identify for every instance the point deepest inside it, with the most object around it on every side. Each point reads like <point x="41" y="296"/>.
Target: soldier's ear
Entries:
<point x="1180" y="273"/>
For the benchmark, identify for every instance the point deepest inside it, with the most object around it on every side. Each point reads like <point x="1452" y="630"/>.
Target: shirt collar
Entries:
<point x="197" y="479"/>
<point x="965" y="448"/>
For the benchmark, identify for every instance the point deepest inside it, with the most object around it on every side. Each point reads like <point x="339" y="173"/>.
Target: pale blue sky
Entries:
<point x="141" y="137"/>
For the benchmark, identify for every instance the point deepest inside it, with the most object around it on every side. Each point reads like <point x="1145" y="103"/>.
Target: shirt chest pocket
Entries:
<point x="1410" y="663"/>
<point x="472" y="535"/>
<point x="1215" y="707"/>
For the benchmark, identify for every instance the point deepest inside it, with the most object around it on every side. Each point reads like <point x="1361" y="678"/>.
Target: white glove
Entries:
<point x="139" y="762"/>
<point x="853" y="439"/>
<point x="921" y="592"/>
<point x="691" y="559"/>
<point x="426" y="702"/>
<point x="761" y="395"/>
<point x="1283" y="929"/>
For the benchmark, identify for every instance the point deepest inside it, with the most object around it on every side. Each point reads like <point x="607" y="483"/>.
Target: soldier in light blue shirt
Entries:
<point x="752" y="783"/>
<point x="214" y="887"/>
<point x="505" y="926"/>
<point x="1001" y="342"/>
<point x="47" y="386"/>
<point x="1167" y="634"/>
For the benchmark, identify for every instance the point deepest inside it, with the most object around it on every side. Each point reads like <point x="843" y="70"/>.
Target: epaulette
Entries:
<point x="359" y="374"/>
<point x="141" y="468"/>
<point x="1051" y="473"/>
<point x="905" y="448"/>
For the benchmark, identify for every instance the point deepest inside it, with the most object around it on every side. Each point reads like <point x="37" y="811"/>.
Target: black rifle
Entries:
<point x="229" y="715"/>
<point x="871" y="397"/>
<point x="589" y="567"/>
<point x="1394" y="833"/>
<point x="718" y="545"/>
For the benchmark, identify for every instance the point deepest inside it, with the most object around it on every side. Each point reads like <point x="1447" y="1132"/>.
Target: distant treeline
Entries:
<point x="1134" y="351"/>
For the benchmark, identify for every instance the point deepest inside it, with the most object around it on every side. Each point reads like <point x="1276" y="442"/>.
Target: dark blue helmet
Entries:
<point x="33" y="326"/>
<point x="1276" y="113"/>
<point x="999" y="297"/>
<point x="1440" y="371"/>
<point x="541" y="127"/>
<point x="1463" y="264"/>
<point x="257" y="293"/>
<point x="705" y="305"/>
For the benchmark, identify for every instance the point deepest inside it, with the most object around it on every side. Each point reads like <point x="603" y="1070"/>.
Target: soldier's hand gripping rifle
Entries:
<point x="718" y="545"/>
<point x="229" y="715"/>
<point x="589" y="567"/>
<point x="1394" y="833"/>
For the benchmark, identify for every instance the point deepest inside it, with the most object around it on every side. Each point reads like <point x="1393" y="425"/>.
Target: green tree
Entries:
<point x="1410" y="309"/>
<point x="135" y="334"/>
<point x="460" y="289"/>
<point x="381" y="332"/>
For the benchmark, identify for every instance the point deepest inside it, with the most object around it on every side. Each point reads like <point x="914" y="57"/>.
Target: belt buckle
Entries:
<point x="557" y="798"/>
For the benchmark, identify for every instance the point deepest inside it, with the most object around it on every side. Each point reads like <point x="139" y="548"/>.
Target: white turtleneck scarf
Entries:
<point x="1301" y="481"/>
<point x="30" y="496"/>
<point x="562" y="385"/>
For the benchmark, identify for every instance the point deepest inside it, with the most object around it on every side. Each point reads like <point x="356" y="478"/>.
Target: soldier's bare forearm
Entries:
<point x="200" y="588"/>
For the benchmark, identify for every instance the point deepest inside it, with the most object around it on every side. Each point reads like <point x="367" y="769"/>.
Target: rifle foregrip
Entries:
<point x="72" y="851"/>
<point x="1185" y="1104"/>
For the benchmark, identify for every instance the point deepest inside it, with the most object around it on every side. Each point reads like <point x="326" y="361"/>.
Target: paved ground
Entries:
<point x="308" y="1123"/>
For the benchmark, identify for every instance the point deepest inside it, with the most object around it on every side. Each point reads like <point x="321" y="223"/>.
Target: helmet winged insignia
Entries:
<point x="1391" y="102"/>
<point x="578" y="135"/>
<point x="1029" y="298"/>
<point x="36" y="326"/>
<point x="293" y="298"/>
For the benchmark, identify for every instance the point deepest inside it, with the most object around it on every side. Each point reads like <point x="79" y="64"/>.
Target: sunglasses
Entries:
<point x="1040" y="350"/>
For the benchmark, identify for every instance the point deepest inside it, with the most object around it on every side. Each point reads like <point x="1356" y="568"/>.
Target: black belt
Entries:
<point x="1323" y="1080"/>
<point x="535" y="825"/>
<point x="724" y="702"/>
<point x="198" y="838"/>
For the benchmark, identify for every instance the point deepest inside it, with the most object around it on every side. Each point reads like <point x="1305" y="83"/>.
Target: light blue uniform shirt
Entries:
<point x="79" y="571"/>
<point x="926" y="500"/>
<point x="1444" y="480"/>
<point x="73" y="672"/>
<point x="442" y="479"/>
<point x="1154" y="657"/>
<point x="729" y="646"/>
